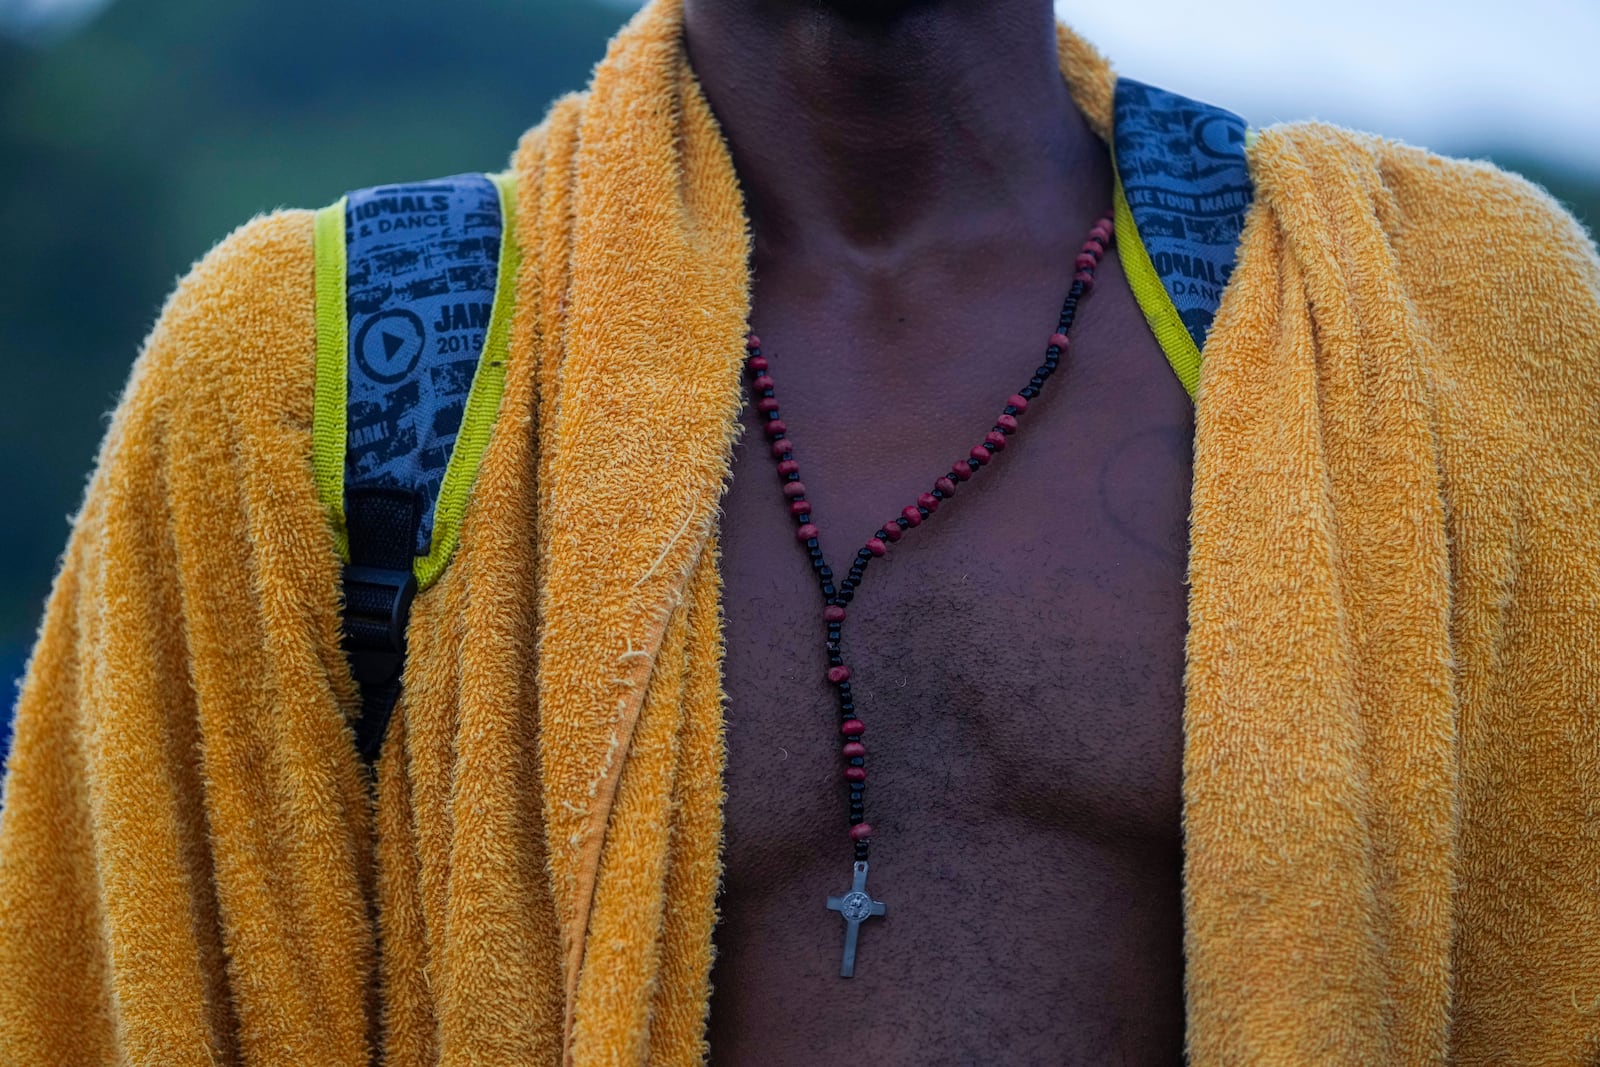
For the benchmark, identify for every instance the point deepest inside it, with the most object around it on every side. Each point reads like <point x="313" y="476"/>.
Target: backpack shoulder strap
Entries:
<point x="1182" y="192"/>
<point x="413" y="291"/>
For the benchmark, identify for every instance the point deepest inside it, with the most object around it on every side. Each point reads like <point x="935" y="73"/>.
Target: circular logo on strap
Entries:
<point x="389" y="345"/>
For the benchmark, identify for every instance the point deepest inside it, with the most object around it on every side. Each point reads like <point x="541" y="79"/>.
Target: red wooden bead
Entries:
<point x="806" y="531"/>
<point x="1018" y="401"/>
<point x="1008" y="423"/>
<point x="794" y="489"/>
<point x="856" y="774"/>
<point x="980" y="455"/>
<point x="782" y="448"/>
<point x="767" y="404"/>
<point x="799" y="507"/>
<point x="892" y="531"/>
<point x="860" y="831"/>
<point x="912" y="516"/>
<point x="1086" y="278"/>
<point x="1094" y="245"/>
<point x="774" y="428"/>
<point x="833" y="613"/>
<point x="1060" y="340"/>
<point x="838" y="674"/>
<point x="996" y="438"/>
<point x="852" y="749"/>
<point x="929" y="501"/>
<point x="788" y="467"/>
<point x="852" y="728"/>
<point x="752" y="341"/>
<point x="1084" y="260"/>
<point x="877" y="547"/>
<point x="758" y="364"/>
<point x="945" y="486"/>
<point x="762" y="382"/>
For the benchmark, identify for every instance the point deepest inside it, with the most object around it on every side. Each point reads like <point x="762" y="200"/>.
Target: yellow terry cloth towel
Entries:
<point x="1393" y="707"/>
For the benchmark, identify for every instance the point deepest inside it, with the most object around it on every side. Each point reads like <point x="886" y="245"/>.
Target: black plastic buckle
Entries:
<point x="377" y="608"/>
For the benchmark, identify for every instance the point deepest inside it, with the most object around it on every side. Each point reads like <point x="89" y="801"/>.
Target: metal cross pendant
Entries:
<point x="855" y="907"/>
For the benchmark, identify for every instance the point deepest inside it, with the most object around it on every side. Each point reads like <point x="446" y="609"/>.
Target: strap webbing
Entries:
<point x="378" y="589"/>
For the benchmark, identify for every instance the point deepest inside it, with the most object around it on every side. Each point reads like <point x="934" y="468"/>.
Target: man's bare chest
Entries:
<point x="1018" y="662"/>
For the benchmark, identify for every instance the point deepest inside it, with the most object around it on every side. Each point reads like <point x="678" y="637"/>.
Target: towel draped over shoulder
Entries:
<point x="1392" y="769"/>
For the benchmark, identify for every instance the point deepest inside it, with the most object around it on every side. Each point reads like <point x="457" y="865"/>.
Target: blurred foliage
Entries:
<point x="128" y="148"/>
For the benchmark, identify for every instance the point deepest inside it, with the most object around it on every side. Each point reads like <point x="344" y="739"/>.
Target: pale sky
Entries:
<point x="1469" y="74"/>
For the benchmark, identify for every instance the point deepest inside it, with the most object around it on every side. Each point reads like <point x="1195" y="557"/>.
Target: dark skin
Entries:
<point x="918" y="182"/>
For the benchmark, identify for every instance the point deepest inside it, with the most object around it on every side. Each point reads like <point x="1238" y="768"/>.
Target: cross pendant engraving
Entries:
<point x="855" y="907"/>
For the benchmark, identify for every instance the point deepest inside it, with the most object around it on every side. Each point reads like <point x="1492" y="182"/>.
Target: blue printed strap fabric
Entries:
<point x="421" y="269"/>
<point x="1187" y="184"/>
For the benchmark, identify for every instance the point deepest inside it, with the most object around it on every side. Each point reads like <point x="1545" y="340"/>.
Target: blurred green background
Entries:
<point x="133" y="140"/>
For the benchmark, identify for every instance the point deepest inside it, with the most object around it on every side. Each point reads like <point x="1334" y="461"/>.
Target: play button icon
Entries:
<point x="389" y="344"/>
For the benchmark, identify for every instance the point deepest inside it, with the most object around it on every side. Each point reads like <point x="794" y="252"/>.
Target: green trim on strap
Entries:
<point x="328" y="418"/>
<point x="483" y="400"/>
<point x="1154" y="301"/>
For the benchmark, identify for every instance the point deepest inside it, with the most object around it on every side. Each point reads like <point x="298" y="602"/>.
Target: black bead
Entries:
<point x="1035" y="382"/>
<point x="793" y="476"/>
<point x="848" y="707"/>
<point x="861" y="851"/>
<point x="989" y="445"/>
<point x="835" y="660"/>
<point x="847" y="595"/>
<point x="802" y="518"/>
<point x="812" y="543"/>
<point x="844" y="688"/>
<point x="767" y="392"/>
<point x="938" y="494"/>
<point x="924" y="512"/>
<point x="864" y="553"/>
<point x="855" y="817"/>
<point x="1053" y="350"/>
<point x="901" y="522"/>
<point x="1029" y="392"/>
<point x="828" y="589"/>
<point x="816" y="563"/>
<point x="827" y="572"/>
<point x="858" y="761"/>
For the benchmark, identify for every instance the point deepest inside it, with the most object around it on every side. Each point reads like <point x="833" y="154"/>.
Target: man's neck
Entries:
<point x="879" y="127"/>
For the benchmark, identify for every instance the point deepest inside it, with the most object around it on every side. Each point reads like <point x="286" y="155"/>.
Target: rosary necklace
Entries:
<point x="857" y="905"/>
